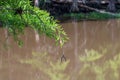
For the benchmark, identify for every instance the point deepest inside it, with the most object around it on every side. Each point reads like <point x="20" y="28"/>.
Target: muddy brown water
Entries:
<point x="84" y="35"/>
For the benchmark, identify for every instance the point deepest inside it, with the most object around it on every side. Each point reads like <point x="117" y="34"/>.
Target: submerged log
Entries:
<point x="97" y="10"/>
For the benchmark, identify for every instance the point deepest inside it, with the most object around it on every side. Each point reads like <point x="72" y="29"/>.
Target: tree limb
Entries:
<point x="97" y="10"/>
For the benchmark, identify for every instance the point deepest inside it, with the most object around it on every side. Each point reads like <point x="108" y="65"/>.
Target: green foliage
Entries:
<point x="54" y="70"/>
<point x="91" y="16"/>
<point x="15" y="15"/>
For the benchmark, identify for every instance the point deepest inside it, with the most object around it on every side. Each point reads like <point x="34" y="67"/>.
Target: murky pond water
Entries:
<point x="84" y="36"/>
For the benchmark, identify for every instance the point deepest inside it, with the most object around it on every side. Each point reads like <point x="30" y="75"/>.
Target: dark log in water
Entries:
<point x="97" y="10"/>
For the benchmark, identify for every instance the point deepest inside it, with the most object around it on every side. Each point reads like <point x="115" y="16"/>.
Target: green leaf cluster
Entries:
<point x="15" y="15"/>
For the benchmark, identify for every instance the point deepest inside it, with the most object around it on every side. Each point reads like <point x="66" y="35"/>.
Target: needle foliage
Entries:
<point x="15" y="15"/>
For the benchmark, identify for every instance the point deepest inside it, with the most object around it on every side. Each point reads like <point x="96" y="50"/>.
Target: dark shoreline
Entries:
<point x="58" y="9"/>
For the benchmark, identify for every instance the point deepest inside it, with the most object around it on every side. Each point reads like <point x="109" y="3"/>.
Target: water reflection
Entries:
<point x="84" y="35"/>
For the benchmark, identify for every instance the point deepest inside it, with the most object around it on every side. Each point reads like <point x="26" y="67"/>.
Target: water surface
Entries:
<point x="84" y="35"/>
